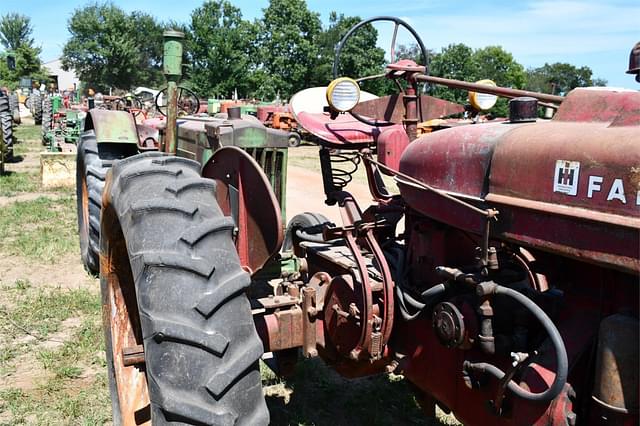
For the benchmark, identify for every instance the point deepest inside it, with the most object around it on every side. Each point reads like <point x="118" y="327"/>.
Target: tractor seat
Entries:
<point x="308" y="109"/>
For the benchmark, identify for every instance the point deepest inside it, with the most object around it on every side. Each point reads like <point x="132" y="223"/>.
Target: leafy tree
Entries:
<point x="15" y="36"/>
<point x="220" y="45"/>
<point x="15" y="30"/>
<point x="109" y="48"/>
<point x="454" y="61"/>
<point x="359" y="57"/>
<point x="460" y="62"/>
<point x="560" y="78"/>
<point x="288" y="50"/>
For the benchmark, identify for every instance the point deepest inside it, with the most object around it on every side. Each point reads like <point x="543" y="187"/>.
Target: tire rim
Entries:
<point x="121" y="316"/>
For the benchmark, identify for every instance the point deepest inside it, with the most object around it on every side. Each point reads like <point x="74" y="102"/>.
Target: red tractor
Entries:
<point x="502" y="280"/>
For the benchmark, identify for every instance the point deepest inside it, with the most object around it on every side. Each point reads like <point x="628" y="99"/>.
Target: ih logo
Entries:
<point x="566" y="177"/>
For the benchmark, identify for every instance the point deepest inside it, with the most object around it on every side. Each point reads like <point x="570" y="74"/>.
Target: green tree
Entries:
<point x="560" y="78"/>
<point x="454" y="61"/>
<point x="288" y="47"/>
<point x="15" y="30"/>
<point x="15" y="36"/>
<point x="110" y="49"/>
<point x="460" y="62"/>
<point x="221" y="50"/>
<point x="359" y="57"/>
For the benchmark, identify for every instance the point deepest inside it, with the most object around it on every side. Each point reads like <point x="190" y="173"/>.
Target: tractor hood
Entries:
<point x="583" y="164"/>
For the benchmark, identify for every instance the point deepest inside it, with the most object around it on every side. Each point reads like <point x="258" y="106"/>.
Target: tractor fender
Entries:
<point x="112" y="126"/>
<point x="244" y="193"/>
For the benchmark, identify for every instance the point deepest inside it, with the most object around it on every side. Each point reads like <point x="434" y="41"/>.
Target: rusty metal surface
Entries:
<point x="309" y="316"/>
<point x="390" y="146"/>
<point x="456" y="159"/>
<point x="120" y="317"/>
<point x="244" y="193"/>
<point x="616" y="379"/>
<point x="281" y="330"/>
<point x="618" y="106"/>
<point x="391" y="108"/>
<point x="112" y="126"/>
<point x="133" y="355"/>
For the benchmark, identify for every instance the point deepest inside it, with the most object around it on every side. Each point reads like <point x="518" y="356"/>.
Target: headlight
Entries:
<point x="343" y="94"/>
<point x="483" y="101"/>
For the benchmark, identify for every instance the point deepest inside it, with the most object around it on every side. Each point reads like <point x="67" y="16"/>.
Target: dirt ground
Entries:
<point x="52" y="367"/>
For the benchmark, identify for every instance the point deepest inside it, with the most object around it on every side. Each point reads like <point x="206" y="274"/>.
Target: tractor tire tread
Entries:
<point x="201" y="369"/>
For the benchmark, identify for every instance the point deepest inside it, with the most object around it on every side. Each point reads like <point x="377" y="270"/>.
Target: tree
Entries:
<point x="454" y="61"/>
<point x="359" y="57"/>
<point x="560" y="78"/>
<point x="288" y="50"/>
<point x="15" y="36"/>
<point x="15" y="30"/>
<point x="460" y="62"/>
<point x="221" y="49"/>
<point x="109" y="48"/>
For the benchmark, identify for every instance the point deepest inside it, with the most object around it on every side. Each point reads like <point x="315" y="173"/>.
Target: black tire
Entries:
<point x="47" y="118"/>
<point x="91" y="172"/>
<point x="311" y="223"/>
<point x="6" y="127"/>
<point x="14" y="106"/>
<point x="294" y="139"/>
<point x="93" y="161"/>
<point x="168" y="259"/>
<point x="36" y="108"/>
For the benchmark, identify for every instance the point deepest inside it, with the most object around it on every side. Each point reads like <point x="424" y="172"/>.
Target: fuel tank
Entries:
<point x="569" y="185"/>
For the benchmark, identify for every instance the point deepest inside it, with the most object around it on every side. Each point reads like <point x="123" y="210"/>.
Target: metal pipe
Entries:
<point x="172" y="68"/>
<point x="493" y="90"/>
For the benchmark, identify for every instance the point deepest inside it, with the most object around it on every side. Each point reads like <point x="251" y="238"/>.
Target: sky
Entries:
<point x="598" y="34"/>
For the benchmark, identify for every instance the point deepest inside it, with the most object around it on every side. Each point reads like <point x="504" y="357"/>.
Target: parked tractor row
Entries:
<point x="501" y="281"/>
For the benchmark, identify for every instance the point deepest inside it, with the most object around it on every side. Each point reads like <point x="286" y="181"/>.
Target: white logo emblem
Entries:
<point x="566" y="177"/>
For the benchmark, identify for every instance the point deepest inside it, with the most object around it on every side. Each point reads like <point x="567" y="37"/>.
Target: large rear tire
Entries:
<point x="36" y="108"/>
<point x="6" y="122"/>
<point x="172" y="282"/>
<point x="14" y="106"/>
<point x="47" y="118"/>
<point x="91" y="172"/>
<point x="93" y="161"/>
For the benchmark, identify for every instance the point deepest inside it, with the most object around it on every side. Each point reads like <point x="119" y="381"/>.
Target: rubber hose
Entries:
<point x="314" y="238"/>
<point x="558" y="345"/>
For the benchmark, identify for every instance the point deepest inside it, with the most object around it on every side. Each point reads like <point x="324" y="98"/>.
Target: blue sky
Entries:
<point x="599" y="34"/>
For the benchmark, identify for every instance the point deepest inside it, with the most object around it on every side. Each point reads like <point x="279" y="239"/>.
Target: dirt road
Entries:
<point x="306" y="194"/>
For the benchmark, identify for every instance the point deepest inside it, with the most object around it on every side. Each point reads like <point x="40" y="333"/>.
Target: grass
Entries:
<point x="72" y="386"/>
<point x="28" y="132"/>
<point x="13" y="183"/>
<point x="42" y="229"/>
<point x="318" y="395"/>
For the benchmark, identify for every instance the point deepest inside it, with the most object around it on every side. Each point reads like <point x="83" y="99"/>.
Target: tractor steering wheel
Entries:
<point x="188" y="102"/>
<point x="399" y="67"/>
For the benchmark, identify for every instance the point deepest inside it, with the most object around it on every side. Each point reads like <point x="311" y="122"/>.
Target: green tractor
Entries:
<point x="61" y="127"/>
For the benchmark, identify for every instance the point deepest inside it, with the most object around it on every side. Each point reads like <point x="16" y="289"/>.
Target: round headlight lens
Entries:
<point x="483" y="101"/>
<point x="343" y="94"/>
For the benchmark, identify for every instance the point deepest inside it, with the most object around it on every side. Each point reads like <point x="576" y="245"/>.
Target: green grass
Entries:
<point x="42" y="229"/>
<point x="42" y="311"/>
<point x="72" y="388"/>
<point x="13" y="183"/>
<point x="28" y="132"/>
